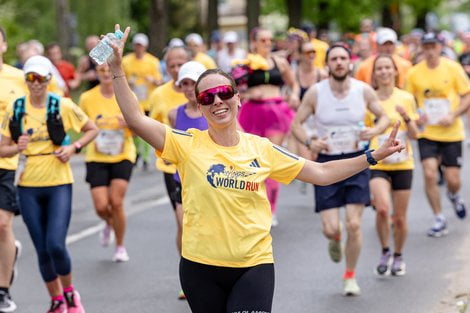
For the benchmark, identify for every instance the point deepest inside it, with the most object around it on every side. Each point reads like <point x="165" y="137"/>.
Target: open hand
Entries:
<point x="115" y="61"/>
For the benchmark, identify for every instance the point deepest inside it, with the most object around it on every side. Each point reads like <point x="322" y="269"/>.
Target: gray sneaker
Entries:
<point x="384" y="264"/>
<point x="6" y="303"/>
<point x="398" y="266"/>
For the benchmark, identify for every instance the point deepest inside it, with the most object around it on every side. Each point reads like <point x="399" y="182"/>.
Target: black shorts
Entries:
<point x="450" y="153"/>
<point x="101" y="174"/>
<point x="352" y="190"/>
<point x="172" y="189"/>
<point x="176" y="194"/>
<point x="216" y="289"/>
<point x="8" y="196"/>
<point x="400" y="180"/>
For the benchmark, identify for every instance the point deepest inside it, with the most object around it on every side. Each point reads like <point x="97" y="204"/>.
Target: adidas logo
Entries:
<point x="254" y="163"/>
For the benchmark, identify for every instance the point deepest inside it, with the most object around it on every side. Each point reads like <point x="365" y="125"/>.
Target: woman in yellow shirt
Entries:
<point x="391" y="179"/>
<point x="109" y="160"/>
<point x="45" y="176"/>
<point x="227" y="262"/>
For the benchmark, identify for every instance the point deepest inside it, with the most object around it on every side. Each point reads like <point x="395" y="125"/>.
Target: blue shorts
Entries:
<point x="353" y="190"/>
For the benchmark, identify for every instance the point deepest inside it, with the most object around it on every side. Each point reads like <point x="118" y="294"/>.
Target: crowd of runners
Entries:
<point x="227" y="125"/>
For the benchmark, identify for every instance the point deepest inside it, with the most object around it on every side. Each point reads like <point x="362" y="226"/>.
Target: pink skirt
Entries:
<point x="266" y="117"/>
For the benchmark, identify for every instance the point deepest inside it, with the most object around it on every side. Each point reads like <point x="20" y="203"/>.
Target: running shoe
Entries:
<point x="335" y="250"/>
<point x="439" y="228"/>
<point x="74" y="305"/>
<point x="120" y="255"/>
<point x="14" y="273"/>
<point x="6" y="303"/>
<point x="181" y="295"/>
<point x="107" y="236"/>
<point x="275" y="221"/>
<point x="351" y="288"/>
<point x="57" y="307"/>
<point x="458" y="204"/>
<point x="398" y="266"/>
<point x="384" y="264"/>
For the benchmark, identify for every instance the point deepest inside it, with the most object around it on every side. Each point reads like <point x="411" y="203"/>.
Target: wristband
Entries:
<point x="370" y="158"/>
<point x="78" y="146"/>
<point x="407" y="120"/>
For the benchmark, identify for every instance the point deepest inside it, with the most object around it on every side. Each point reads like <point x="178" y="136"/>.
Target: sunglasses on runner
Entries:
<point x="207" y="97"/>
<point x="32" y="77"/>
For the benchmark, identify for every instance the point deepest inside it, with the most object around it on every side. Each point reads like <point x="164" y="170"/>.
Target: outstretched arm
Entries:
<point x="331" y="172"/>
<point x="150" y="130"/>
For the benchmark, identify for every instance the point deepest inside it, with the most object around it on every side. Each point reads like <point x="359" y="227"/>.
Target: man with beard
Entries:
<point x="339" y="106"/>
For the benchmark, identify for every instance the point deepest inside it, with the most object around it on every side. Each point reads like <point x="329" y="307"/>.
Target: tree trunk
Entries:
<point x="323" y="18"/>
<point x="294" y="11"/>
<point x="158" y="26"/>
<point x="62" y="17"/>
<point x="253" y="9"/>
<point x="212" y="17"/>
<point x="391" y="16"/>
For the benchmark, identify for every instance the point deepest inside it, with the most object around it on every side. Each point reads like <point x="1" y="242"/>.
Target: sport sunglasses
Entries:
<point x="207" y="97"/>
<point x="32" y="77"/>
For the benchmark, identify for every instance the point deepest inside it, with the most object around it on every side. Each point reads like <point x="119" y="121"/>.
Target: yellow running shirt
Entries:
<point x="42" y="168"/>
<point x="438" y="92"/>
<point x="139" y="72"/>
<point x="205" y="60"/>
<point x="404" y="159"/>
<point x="227" y="216"/>
<point x="9" y="92"/>
<point x="113" y="143"/>
<point x="164" y="99"/>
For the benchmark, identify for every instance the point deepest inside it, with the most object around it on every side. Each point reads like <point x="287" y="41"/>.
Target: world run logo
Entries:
<point x="219" y="176"/>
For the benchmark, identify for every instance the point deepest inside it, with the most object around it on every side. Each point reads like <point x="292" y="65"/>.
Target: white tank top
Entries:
<point x="338" y="120"/>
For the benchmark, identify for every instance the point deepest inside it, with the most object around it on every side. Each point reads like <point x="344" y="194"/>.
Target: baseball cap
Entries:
<point x="39" y="65"/>
<point x="176" y="42"/>
<point x="386" y="34"/>
<point x="191" y="70"/>
<point x="140" y="39"/>
<point x="230" y="37"/>
<point x="431" y="38"/>
<point x="194" y="38"/>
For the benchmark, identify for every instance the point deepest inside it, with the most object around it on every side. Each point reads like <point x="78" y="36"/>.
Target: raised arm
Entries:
<point x="145" y="127"/>
<point x="331" y="172"/>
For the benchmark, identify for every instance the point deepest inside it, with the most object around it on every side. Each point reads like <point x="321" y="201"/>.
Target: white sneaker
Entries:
<point x="14" y="274"/>
<point x="107" y="236"/>
<point x="275" y="221"/>
<point x="351" y="288"/>
<point x="6" y="303"/>
<point x="120" y="255"/>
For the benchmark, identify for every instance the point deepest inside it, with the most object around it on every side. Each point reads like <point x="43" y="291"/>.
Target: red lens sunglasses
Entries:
<point x="207" y="97"/>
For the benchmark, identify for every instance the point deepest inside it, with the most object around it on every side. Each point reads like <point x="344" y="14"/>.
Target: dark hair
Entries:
<point x="4" y="34"/>
<point x="338" y="44"/>
<point x="215" y="71"/>
<point x="52" y="45"/>
<point x="387" y="56"/>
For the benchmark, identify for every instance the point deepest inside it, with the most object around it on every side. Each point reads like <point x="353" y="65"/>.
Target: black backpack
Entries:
<point x="55" y="125"/>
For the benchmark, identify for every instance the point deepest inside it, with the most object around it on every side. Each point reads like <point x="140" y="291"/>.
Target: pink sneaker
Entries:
<point x="120" y="255"/>
<point x="57" y="307"/>
<point x="107" y="236"/>
<point x="74" y="305"/>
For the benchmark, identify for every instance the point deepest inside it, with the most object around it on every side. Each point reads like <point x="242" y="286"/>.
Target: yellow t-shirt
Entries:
<point x="164" y="99"/>
<point x="438" y="92"/>
<point x="227" y="215"/>
<point x="320" y="48"/>
<point x="113" y="143"/>
<point x="42" y="168"/>
<point x="137" y="70"/>
<point x="9" y="91"/>
<point x="404" y="159"/>
<point x="205" y="60"/>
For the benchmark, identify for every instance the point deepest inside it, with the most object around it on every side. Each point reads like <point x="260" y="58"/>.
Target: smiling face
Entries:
<point x="220" y="113"/>
<point x="187" y="86"/>
<point x="37" y="88"/>
<point x="385" y="72"/>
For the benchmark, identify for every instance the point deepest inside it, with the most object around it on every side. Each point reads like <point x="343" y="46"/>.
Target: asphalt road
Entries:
<point x="306" y="280"/>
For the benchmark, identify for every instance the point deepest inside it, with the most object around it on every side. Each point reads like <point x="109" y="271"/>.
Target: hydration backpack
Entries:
<point x="55" y="125"/>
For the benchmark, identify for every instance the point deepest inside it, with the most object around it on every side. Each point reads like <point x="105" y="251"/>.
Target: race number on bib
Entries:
<point x="342" y="139"/>
<point x="397" y="157"/>
<point x="435" y="109"/>
<point x="110" y="141"/>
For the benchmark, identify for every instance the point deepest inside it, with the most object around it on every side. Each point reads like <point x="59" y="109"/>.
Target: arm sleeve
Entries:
<point x="285" y="166"/>
<point x="177" y="145"/>
<point x="74" y="117"/>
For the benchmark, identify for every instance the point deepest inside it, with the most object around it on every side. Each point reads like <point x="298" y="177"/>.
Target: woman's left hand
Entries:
<point x="64" y="153"/>
<point x="390" y="146"/>
<point x="294" y="101"/>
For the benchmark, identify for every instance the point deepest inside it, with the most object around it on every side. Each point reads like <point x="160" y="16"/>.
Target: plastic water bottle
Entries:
<point x="362" y="144"/>
<point x="103" y="49"/>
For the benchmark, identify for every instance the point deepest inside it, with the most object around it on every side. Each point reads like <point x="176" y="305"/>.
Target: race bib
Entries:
<point x="397" y="157"/>
<point x="435" y="109"/>
<point x="110" y="141"/>
<point x="342" y="139"/>
<point x="141" y="91"/>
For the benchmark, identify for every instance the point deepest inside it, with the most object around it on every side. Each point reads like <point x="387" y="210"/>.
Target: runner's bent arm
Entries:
<point x="373" y="104"/>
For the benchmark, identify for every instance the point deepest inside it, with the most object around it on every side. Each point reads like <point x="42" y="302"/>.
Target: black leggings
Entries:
<point x="215" y="289"/>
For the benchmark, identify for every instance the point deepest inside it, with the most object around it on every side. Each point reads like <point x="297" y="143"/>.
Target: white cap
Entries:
<point x="230" y="37"/>
<point x="194" y="38"/>
<point x="39" y="65"/>
<point x="191" y="70"/>
<point x="176" y="42"/>
<point x="140" y="39"/>
<point x="386" y="34"/>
